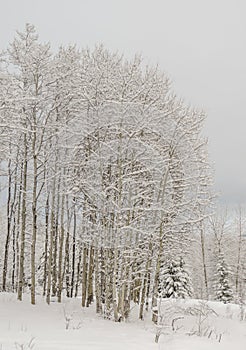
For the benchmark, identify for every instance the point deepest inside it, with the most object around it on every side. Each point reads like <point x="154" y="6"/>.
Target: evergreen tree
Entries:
<point x="175" y="281"/>
<point x="223" y="290"/>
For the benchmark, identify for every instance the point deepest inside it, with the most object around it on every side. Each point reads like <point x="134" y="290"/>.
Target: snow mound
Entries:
<point x="69" y="326"/>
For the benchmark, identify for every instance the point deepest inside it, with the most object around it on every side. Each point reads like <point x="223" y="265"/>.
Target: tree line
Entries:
<point x="105" y="179"/>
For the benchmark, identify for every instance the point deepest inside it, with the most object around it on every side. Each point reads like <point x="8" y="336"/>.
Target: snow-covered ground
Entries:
<point x="68" y="326"/>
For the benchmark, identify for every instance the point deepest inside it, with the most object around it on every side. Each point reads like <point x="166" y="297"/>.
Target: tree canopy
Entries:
<point x="106" y="174"/>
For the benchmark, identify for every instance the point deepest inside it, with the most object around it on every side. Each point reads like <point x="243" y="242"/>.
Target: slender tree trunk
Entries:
<point x="60" y="257"/>
<point x="78" y="277"/>
<point x="98" y="283"/>
<point x="238" y="269"/>
<point x="90" y="278"/>
<point x="84" y="275"/>
<point x="14" y="255"/>
<point x="18" y="225"/>
<point x="46" y="244"/>
<point x="34" y="223"/>
<point x="52" y="229"/>
<point x="7" y="241"/>
<point x="14" y="233"/>
<point x="55" y="246"/>
<point x="23" y="223"/>
<point x="122" y="288"/>
<point x="156" y="280"/>
<point x="73" y="248"/>
<point x="67" y="256"/>
<point x="114" y="277"/>
<point x="203" y="258"/>
<point x="144" y="292"/>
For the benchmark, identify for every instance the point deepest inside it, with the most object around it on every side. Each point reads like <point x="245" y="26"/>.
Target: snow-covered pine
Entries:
<point x="174" y="280"/>
<point x="223" y="290"/>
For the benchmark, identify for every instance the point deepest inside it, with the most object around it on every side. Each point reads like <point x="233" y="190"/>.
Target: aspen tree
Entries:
<point x="113" y="172"/>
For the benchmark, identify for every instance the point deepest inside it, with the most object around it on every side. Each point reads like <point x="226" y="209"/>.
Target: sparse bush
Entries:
<point x="25" y="345"/>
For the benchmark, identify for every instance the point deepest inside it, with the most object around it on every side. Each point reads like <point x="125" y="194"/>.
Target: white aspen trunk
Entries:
<point x="84" y="275"/>
<point x="67" y="248"/>
<point x="61" y="246"/>
<point x="78" y="276"/>
<point x="204" y="258"/>
<point x="7" y="241"/>
<point x="144" y="283"/>
<point x="73" y="247"/>
<point x="98" y="282"/>
<point x="55" y="244"/>
<point x="46" y="244"/>
<point x="34" y="216"/>
<point x="14" y="232"/>
<point x="156" y="281"/>
<point x="90" y="278"/>
<point x="122" y="303"/>
<point x="238" y="268"/>
<point x="13" y="254"/>
<point x="108" y="279"/>
<point x="116" y="314"/>
<point x="18" y="221"/>
<point x="23" y="223"/>
<point x="117" y="218"/>
<point x="161" y="196"/>
<point x="52" y="228"/>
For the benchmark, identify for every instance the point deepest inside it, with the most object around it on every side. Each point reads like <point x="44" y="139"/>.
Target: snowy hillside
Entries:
<point x="68" y="326"/>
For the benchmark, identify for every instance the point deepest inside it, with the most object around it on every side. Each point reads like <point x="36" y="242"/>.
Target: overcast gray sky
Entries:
<point x="200" y="44"/>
